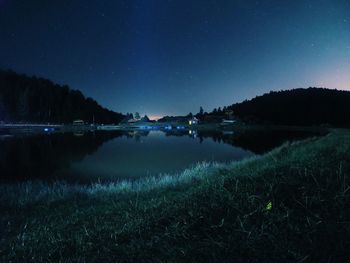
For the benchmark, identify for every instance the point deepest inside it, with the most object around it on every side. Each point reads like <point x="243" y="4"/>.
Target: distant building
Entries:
<point x="78" y="122"/>
<point x="228" y="121"/>
<point x="133" y="120"/>
<point x="193" y="121"/>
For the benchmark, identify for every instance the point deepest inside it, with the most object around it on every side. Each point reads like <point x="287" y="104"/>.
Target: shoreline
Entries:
<point x="44" y="128"/>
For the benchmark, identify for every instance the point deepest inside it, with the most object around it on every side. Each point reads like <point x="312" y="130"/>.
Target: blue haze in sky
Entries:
<point x="170" y="57"/>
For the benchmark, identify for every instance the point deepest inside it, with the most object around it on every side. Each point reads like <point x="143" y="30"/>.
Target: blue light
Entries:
<point x="49" y="129"/>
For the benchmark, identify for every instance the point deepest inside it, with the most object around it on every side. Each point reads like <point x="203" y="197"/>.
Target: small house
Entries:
<point x="193" y="121"/>
<point x="133" y="120"/>
<point x="78" y="122"/>
<point x="228" y="122"/>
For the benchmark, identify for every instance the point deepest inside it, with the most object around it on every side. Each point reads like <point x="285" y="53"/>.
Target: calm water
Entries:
<point x="106" y="156"/>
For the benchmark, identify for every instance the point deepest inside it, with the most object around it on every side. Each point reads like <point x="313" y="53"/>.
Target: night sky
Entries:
<point x="167" y="57"/>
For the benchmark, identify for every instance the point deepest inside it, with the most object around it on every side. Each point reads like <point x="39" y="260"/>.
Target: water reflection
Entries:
<point x="38" y="156"/>
<point x="258" y="141"/>
<point x="89" y="156"/>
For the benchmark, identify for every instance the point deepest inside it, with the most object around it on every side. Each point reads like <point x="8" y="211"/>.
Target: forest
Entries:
<point x="301" y="107"/>
<point x="38" y="100"/>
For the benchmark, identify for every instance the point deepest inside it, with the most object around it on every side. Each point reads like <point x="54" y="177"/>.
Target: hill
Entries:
<point x="32" y="99"/>
<point x="312" y="106"/>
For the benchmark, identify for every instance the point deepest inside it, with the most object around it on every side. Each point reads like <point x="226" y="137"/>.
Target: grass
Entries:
<point x="32" y="192"/>
<point x="290" y="205"/>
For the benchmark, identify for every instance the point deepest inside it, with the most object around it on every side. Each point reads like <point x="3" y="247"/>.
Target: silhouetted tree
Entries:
<point x="201" y="111"/>
<point x="137" y="116"/>
<point x="22" y="105"/>
<point x="312" y="106"/>
<point x="33" y="99"/>
<point x="145" y="118"/>
<point x="2" y="109"/>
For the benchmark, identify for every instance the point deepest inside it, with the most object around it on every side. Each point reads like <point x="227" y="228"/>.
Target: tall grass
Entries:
<point x="36" y="191"/>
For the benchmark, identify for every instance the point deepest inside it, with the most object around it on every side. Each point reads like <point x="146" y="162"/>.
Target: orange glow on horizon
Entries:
<point x="155" y="117"/>
<point x="340" y="79"/>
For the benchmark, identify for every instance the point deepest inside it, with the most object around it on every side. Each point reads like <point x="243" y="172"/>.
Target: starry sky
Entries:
<point x="169" y="57"/>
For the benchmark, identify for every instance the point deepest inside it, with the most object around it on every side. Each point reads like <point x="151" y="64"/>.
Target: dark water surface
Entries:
<point x="106" y="156"/>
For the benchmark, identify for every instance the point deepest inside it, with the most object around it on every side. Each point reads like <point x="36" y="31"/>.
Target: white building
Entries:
<point x="193" y="121"/>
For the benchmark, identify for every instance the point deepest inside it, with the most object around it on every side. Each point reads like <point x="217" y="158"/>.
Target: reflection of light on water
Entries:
<point x="193" y="133"/>
<point x="49" y="129"/>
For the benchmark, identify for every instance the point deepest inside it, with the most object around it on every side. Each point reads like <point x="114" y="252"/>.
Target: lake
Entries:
<point x="111" y="156"/>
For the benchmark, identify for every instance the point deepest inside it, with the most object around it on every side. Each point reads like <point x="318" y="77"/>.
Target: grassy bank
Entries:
<point x="290" y="205"/>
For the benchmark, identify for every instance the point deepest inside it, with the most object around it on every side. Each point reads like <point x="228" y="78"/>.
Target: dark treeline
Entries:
<point x="175" y="118"/>
<point x="33" y="99"/>
<point x="312" y="106"/>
